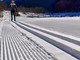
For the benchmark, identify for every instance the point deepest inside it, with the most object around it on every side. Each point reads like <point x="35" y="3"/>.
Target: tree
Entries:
<point x="31" y="9"/>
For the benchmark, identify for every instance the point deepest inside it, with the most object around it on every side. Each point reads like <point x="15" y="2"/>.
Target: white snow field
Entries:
<point x="16" y="46"/>
<point x="68" y="27"/>
<point x="27" y="39"/>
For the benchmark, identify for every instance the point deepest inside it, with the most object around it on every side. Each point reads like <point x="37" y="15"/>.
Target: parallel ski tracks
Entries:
<point x="63" y="47"/>
<point x="15" y="46"/>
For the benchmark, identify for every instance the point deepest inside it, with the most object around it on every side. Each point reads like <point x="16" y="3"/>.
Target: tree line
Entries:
<point x="31" y="9"/>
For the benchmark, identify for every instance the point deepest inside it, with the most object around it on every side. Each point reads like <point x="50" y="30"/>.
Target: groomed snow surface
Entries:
<point x="16" y="46"/>
<point x="18" y="43"/>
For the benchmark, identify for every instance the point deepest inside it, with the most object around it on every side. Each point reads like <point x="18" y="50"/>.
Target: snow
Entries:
<point x="55" y="32"/>
<point x="59" y="54"/>
<point x="1" y="25"/>
<point x="51" y="18"/>
<point x="2" y="20"/>
<point x="65" y="25"/>
<point x="69" y="44"/>
<point x="48" y="18"/>
<point x="15" y="45"/>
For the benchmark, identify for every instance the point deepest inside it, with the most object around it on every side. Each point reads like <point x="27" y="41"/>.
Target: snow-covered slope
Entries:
<point x="66" y="25"/>
<point x="42" y="37"/>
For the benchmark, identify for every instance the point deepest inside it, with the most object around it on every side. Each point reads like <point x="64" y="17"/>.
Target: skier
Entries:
<point x="13" y="10"/>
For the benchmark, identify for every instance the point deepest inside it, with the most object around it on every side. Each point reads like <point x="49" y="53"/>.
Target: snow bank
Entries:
<point x="24" y="17"/>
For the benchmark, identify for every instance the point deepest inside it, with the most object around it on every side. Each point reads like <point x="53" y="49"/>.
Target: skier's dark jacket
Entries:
<point x="12" y="8"/>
